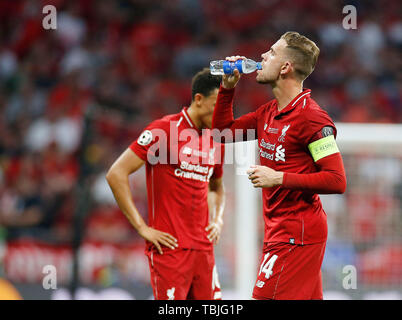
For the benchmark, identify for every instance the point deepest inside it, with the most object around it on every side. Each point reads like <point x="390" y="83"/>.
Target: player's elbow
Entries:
<point x="112" y="176"/>
<point x="344" y="184"/>
<point x="335" y="183"/>
<point x="109" y="176"/>
<point x="341" y="185"/>
<point x="223" y="134"/>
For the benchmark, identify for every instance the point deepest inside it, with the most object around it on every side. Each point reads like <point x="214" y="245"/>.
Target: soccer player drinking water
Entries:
<point x="299" y="160"/>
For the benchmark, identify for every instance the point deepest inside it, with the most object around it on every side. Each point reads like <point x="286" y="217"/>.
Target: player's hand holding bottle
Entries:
<point x="229" y="81"/>
<point x="232" y="67"/>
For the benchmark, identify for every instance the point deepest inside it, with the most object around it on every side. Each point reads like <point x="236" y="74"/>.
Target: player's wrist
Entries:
<point x="218" y="221"/>
<point x="279" y="178"/>
<point x="140" y="228"/>
<point x="226" y="86"/>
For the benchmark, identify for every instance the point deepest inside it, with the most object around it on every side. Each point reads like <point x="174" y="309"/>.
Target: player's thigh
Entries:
<point x="205" y="284"/>
<point x="289" y="272"/>
<point x="272" y="263"/>
<point x="303" y="279"/>
<point x="170" y="274"/>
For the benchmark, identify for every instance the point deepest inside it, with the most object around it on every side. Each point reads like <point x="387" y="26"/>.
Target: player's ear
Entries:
<point x="198" y="99"/>
<point x="286" y="68"/>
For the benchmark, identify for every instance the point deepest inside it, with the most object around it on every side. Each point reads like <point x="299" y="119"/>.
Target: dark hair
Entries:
<point x="204" y="82"/>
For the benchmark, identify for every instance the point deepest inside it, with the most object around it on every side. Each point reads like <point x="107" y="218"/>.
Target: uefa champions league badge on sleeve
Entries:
<point x="145" y="138"/>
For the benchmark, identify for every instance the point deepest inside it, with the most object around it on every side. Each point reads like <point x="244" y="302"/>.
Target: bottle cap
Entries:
<point x="259" y="66"/>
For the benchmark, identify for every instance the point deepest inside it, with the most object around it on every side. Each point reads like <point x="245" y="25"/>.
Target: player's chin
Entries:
<point x="260" y="79"/>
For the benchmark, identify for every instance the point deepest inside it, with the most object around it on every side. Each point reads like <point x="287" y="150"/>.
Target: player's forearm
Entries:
<point x="218" y="207"/>
<point x="321" y="182"/>
<point x="223" y="120"/>
<point x="331" y="179"/>
<point x="223" y="113"/>
<point x="120" y="187"/>
<point x="216" y="203"/>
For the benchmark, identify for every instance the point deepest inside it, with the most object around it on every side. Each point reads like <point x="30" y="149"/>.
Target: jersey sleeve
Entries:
<point x="223" y="117"/>
<point x="330" y="178"/>
<point x="152" y="140"/>
<point x="315" y="120"/>
<point x="318" y="133"/>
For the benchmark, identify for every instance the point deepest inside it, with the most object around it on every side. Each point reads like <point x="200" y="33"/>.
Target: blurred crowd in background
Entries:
<point x="72" y="99"/>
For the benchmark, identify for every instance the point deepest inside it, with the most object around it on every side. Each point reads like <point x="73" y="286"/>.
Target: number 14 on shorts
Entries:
<point x="267" y="265"/>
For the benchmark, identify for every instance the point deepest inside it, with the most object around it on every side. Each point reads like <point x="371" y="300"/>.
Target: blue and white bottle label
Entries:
<point x="229" y="66"/>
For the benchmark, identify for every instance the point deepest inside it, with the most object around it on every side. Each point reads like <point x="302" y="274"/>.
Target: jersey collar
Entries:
<point x="292" y="104"/>
<point x="187" y="118"/>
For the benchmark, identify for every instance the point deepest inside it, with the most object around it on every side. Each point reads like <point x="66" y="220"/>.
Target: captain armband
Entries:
<point x="323" y="147"/>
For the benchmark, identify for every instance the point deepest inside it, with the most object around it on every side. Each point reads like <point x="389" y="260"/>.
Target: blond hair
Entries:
<point x="303" y="53"/>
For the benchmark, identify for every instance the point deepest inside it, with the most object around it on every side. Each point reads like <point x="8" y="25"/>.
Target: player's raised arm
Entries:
<point x="223" y="117"/>
<point x="117" y="177"/>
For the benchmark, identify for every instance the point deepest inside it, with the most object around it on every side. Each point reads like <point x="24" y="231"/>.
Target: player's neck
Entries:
<point x="285" y="91"/>
<point x="192" y="113"/>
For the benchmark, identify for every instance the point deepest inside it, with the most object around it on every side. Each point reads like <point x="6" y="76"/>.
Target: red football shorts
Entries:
<point x="184" y="274"/>
<point x="290" y="272"/>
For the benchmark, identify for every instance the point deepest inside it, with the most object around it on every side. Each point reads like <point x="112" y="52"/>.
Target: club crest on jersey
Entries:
<point x="283" y="134"/>
<point x="145" y="138"/>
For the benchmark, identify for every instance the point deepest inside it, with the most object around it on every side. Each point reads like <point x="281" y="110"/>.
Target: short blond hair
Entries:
<point x="303" y="52"/>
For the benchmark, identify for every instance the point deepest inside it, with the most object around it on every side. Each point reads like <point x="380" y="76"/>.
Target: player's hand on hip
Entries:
<point x="229" y="81"/>
<point x="264" y="177"/>
<point x="214" y="229"/>
<point x="158" y="238"/>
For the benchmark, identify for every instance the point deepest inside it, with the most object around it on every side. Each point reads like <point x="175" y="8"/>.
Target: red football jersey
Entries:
<point x="291" y="216"/>
<point x="180" y="160"/>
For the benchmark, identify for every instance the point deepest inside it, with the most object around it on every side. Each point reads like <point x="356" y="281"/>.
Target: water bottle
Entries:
<point x="220" y="67"/>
